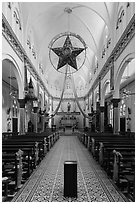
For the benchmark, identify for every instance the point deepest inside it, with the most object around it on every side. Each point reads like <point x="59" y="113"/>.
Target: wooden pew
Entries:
<point x="95" y="142"/>
<point x="101" y="154"/>
<point x="40" y="140"/>
<point x="108" y="156"/>
<point x="116" y="154"/>
<point x="7" y="135"/>
<point x="25" y="144"/>
<point x="12" y="169"/>
<point x="28" y="165"/>
<point x="46" y="141"/>
<point x="124" y="172"/>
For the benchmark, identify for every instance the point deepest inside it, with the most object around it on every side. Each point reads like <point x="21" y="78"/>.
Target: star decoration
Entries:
<point x="67" y="54"/>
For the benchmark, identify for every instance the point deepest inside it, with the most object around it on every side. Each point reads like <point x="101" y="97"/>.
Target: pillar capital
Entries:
<point x="115" y="102"/>
<point x="102" y="109"/>
<point x="35" y="109"/>
<point x="21" y="103"/>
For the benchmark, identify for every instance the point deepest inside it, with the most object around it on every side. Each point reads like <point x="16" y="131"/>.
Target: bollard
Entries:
<point x="70" y="179"/>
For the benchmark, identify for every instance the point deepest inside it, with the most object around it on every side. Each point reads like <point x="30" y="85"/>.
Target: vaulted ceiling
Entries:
<point x="48" y="19"/>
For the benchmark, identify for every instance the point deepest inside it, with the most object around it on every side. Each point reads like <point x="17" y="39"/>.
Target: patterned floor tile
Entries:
<point x="47" y="182"/>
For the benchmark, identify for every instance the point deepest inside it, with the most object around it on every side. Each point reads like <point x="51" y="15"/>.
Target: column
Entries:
<point x="43" y="122"/>
<point x="98" y="116"/>
<point x="115" y="102"/>
<point x="94" y="121"/>
<point x="22" y="115"/>
<point x="102" y="109"/>
<point x="35" y="119"/>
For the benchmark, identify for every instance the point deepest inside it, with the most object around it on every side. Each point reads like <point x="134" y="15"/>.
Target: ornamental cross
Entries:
<point x="67" y="54"/>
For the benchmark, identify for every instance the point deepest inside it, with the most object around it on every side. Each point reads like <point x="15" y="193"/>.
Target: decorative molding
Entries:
<point x="9" y="5"/>
<point x="102" y="109"/>
<point x="120" y="18"/>
<point x="115" y="102"/>
<point x="10" y="36"/>
<point x="17" y="19"/>
<point x="126" y="37"/>
<point x="124" y="40"/>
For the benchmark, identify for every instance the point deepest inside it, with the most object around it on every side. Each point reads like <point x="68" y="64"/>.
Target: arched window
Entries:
<point x="14" y="109"/>
<point x="122" y="109"/>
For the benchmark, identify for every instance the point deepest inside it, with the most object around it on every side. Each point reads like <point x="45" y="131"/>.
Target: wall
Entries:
<point x="6" y="104"/>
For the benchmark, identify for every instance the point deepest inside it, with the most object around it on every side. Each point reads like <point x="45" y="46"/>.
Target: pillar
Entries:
<point x="22" y="116"/>
<point x="98" y="116"/>
<point x="35" y="119"/>
<point x="43" y="123"/>
<point x="115" y="102"/>
<point x="94" y="121"/>
<point x="102" y="109"/>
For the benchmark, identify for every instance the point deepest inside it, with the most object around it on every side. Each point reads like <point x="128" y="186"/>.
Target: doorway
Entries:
<point x="123" y="125"/>
<point x="14" y="124"/>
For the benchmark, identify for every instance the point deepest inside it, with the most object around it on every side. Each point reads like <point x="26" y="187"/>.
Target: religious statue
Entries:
<point x="69" y="106"/>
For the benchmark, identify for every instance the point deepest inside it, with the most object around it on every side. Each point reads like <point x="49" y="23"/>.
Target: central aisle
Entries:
<point x="46" y="182"/>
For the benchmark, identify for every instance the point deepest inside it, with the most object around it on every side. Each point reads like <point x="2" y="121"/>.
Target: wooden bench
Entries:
<point x="116" y="154"/>
<point x="105" y="147"/>
<point x="12" y="169"/>
<point x="124" y="172"/>
<point x="108" y="157"/>
<point x="95" y="142"/>
<point x="27" y="160"/>
<point x="25" y="144"/>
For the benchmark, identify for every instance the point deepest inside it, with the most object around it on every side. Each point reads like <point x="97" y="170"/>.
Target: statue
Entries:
<point x="69" y="106"/>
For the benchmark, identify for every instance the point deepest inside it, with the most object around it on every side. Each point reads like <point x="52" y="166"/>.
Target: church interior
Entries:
<point x="68" y="101"/>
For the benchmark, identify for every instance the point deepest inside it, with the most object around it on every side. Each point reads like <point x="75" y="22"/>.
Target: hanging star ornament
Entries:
<point x="67" y="54"/>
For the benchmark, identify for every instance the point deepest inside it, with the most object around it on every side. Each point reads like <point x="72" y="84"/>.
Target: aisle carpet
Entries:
<point x="46" y="182"/>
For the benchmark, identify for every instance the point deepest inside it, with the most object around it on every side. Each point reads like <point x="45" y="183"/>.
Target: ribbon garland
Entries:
<point x="75" y="94"/>
<point x="76" y="97"/>
<point x="56" y="110"/>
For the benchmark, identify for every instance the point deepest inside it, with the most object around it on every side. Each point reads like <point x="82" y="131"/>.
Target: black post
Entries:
<point x="70" y="179"/>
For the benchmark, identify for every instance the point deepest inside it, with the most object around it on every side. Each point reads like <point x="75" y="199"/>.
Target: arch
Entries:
<point x="104" y="87"/>
<point x="95" y="96"/>
<point x="120" y="72"/>
<point x="17" y="73"/>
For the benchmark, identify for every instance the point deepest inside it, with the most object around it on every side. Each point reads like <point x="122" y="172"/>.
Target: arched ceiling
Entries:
<point x="48" y="19"/>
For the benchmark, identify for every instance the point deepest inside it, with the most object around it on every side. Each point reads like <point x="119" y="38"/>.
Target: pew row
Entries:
<point x="34" y="147"/>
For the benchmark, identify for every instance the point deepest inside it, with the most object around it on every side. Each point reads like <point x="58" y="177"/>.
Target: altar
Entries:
<point x="68" y="121"/>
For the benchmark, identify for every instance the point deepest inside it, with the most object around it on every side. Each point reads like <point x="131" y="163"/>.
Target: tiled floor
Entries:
<point x="46" y="183"/>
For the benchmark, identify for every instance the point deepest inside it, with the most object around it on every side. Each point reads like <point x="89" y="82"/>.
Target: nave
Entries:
<point x="46" y="182"/>
<point x="68" y="65"/>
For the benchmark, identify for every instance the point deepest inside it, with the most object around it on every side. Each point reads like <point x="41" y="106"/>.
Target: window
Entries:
<point x="122" y="109"/>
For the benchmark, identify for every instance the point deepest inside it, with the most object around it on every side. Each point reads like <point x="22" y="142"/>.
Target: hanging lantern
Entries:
<point x="30" y="96"/>
<point x="35" y="106"/>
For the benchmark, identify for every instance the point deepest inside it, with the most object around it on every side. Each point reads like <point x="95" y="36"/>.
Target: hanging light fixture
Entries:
<point x="30" y="96"/>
